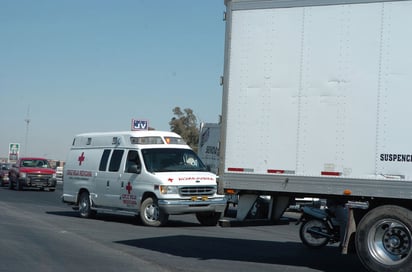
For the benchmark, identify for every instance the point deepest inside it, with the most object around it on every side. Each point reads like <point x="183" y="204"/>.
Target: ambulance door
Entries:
<point x="128" y="192"/>
<point x="109" y="178"/>
<point x="103" y="180"/>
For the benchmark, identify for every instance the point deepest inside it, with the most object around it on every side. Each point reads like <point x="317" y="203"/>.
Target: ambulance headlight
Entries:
<point x="23" y="175"/>
<point x="168" y="189"/>
<point x="54" y="175"/>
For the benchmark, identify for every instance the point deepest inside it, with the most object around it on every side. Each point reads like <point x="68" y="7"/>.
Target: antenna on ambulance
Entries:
<point x="27" y="120"/>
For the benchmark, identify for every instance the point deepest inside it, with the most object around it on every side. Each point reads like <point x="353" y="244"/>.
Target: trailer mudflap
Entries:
<point x="351" y="223"/>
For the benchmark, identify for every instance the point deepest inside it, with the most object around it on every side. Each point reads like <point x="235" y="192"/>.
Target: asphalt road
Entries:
<point x="40" y="233"/>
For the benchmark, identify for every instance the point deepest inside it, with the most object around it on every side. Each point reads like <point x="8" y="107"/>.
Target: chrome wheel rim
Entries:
<point x="84" y="205"/>
<point x="152" y="212"/>
<point x="389" y="241"/>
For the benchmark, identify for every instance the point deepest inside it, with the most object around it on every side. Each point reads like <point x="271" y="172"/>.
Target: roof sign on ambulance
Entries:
<point x="140" y="124"/>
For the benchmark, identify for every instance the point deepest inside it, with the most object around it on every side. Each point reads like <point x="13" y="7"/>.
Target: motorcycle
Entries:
<point x="319" y="227"/>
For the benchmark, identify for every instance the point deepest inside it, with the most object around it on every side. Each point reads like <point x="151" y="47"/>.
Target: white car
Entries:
<point x="59" y="172"/>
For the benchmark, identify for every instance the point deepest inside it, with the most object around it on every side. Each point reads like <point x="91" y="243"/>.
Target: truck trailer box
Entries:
<point x="318" y="89"/>
<point x="316" y="101"/>
<point x="209" y="142"/>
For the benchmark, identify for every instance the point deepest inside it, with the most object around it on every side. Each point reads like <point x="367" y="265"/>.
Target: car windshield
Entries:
<point x="35" y="163"/>
<point x="5" y="167"/>
<point x="171" y="160"/>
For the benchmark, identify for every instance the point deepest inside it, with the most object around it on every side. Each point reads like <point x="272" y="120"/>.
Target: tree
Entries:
<point x="185" y="124"/>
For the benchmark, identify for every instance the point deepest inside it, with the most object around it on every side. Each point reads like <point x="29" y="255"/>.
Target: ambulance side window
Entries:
<point x="132" y="162"/>
<point x="115" y="161"/>
<point x="104" y="160"/>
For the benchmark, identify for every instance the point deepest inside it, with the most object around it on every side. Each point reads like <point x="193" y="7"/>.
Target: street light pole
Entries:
<point x="27" y="120"/>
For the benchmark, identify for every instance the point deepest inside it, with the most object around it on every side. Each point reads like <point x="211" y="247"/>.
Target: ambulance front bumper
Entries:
<point x="173" y="206"/>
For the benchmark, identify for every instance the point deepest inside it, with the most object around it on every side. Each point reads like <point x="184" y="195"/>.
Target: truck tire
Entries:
<point x="85" y="209"/>
<point x="10" y="183"/>
<point x="384" y="238"/>
<point x="313" y="240"/>
<point x="19" y="187"/>
<point x="151" y="214"/>
<point x="208" y="218"/>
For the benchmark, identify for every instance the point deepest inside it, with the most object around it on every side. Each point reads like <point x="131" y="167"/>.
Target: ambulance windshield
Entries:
<point x="171" y="160"/>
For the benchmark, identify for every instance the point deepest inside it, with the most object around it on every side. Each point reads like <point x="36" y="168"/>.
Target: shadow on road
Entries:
<point x="65" y="213"/>
<point x="125" y="219"/>
<point x="246" y="250"/>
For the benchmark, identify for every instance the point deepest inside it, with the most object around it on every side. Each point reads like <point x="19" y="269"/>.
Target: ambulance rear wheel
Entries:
<point x="85" y="210"/>
<point x="151" y="214"/>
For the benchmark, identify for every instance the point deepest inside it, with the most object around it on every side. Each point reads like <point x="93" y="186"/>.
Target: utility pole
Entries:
<point x="27" y="120"/>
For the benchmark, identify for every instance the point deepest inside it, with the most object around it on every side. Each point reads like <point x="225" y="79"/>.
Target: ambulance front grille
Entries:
<point x="197" y="191"/>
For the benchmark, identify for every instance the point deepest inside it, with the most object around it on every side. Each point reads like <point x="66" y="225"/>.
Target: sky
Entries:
<point x="81" y="66"/>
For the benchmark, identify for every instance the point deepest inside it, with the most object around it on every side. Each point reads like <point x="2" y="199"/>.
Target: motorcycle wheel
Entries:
<point x="308" y="233"/>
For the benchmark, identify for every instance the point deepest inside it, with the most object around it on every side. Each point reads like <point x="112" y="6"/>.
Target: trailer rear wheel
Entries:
<point x="384" y="239"/>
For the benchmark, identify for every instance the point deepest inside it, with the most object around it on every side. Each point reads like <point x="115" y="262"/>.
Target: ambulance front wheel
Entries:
<point x="151" y="214"/>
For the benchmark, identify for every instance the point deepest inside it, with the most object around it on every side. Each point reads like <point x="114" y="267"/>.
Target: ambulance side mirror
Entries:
<point x="135" y="169"/>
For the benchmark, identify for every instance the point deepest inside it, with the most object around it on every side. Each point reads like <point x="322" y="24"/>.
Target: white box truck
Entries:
<point x="316" y="97"/>
<point x="153" y="174"/>
<point x="208" y="148"/>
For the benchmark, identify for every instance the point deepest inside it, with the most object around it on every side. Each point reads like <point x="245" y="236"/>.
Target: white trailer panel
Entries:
<point x="318" y="89"/>
<point x="316" y="101"/>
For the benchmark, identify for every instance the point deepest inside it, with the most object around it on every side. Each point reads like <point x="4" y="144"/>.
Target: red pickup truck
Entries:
<point x="32" y="172"/>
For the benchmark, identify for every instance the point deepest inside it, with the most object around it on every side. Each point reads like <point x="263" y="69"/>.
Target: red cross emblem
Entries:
<point x="81" y="158"/>
<point x="129" y="188"/>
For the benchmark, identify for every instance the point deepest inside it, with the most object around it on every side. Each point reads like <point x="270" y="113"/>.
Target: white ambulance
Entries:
<point x="151" y="173"/>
